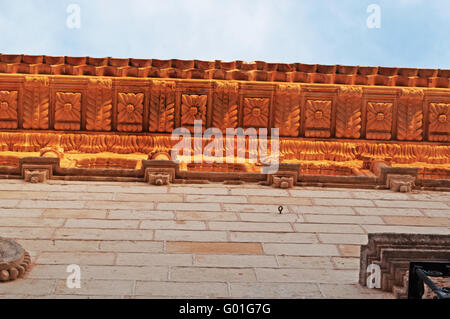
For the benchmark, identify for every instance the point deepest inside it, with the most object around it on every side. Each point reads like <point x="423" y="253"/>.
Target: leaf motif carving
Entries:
<point x="287" y="110"/>
<point x="348" y="113"/>
<point x="162" y="106"/>
<point x="225" y="108"/>
<point x="99" y="105"/>
<point x="36" y="94"/>
<point x="410" y="115"/>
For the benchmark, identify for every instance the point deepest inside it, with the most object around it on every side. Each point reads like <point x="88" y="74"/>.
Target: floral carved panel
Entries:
<point x="193" y="108"/>
<point x="318" y="118"/>
<point x="8" y="109"/>
<point x="130" y="108"/>
<point x="68" y="111"/>
<point x="439" y="126"/>
<point x="379" y="121"/>
<point x="256" y="112"/>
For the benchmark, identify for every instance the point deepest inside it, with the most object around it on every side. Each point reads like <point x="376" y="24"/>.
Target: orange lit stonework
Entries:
<point x="318" y="118"/>
<point x="379" y="121"/>
<point x="8" y="109"/>
<point x="333" y="120"/>
<point x="256" y="112"/>
<point x="193" y="108"/>
<point x="68" y="111"/>
<point x="130" y="112"/>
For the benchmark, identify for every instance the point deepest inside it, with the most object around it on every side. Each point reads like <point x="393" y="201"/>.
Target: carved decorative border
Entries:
<point x="103" y="104"/>
<point x="223" y="70"/>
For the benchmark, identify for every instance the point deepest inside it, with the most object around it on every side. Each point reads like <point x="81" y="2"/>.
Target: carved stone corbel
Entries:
<point x="36" y="175"/>
<point x="400" y="183"/>
<point x="397" y="179"/>
<point x="283" y="181"/>
<point x="159" y="177"/>
<point x="159" y="172"/>
<point x="37" y="169"/>
<point x="285" y="177"/>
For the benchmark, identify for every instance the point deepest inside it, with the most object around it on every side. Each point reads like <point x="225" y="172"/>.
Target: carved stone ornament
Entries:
<point x="158" y="179"/>
<point x="400" y="183"/>
<point x="36" y="176"/>
<point x="256" y="112"/>
<point x="159" y="175"/>
<point x="283" y="181"/>
<point x="193" y="108"/>
<point x="14" y="260"/>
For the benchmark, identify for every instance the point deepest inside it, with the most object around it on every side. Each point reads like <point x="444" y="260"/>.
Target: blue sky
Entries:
<point x="413" y="33"/>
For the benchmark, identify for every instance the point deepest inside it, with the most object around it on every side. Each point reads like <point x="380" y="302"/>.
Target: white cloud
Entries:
<point x="323" y="32"/>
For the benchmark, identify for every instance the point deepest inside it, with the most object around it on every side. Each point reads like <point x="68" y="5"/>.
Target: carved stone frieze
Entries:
<point x="68" y="111"/>
<point x="256" y="112"/>
<point x="410" y="115"/>
<point x="348" y="113"/>
<point x="99" y="105"/>
<point x="193" y="108"/>
<point x="130" y="112"/>
<point x="36" y="101"/>
<point x="439" y="122"/>
<point x="318" y="118"/>
<point x="8" y="109"/>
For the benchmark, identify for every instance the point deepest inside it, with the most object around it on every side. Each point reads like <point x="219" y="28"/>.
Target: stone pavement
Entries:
<point x="203" y="241"/>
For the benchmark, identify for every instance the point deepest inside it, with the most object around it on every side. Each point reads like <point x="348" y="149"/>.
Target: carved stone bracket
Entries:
<point x="159" y="172"/>
<point x="279" y="181"/>
<point x="36" y="174"/>
<point x="400" y="183"/>
<point x="158" y="176"/>
<point x="285" y="177"/>
<point x="395" y="178"/>
<point x="38" y="169"/>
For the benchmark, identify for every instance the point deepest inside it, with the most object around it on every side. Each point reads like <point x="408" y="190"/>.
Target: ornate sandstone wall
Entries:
<point x="324" y="113"/>
<point x="102" y="104"/>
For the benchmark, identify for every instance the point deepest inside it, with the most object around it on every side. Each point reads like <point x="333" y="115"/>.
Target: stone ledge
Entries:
<point x="229" y="70"/>
<point x="393" y="253"/>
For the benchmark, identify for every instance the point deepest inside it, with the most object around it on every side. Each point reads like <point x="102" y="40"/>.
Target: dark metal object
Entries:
<point x="420" y="273"/>
<point x="280" y="209"/>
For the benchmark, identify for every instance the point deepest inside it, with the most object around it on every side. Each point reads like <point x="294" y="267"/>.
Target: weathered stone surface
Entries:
<point x="36" y="176"/>
<point x="400" y="183"/>
<point x="311" y="250"/>
<point x="14" y="260"/>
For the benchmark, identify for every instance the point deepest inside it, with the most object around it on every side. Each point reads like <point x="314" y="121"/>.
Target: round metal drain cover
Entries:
<point x="14" y="260"/>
